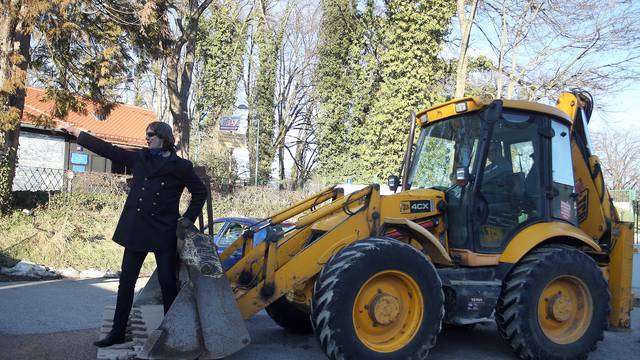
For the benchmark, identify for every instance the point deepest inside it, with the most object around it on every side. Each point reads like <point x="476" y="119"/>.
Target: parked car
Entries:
<point x="226" y="230"/>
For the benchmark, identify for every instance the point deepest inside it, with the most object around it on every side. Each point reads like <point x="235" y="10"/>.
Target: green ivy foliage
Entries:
<point x="413" y="33"/>
<point x="262" y="102"/>
<point x="376" y="65"/>
<point x="221" y="45"/>
<point x="338" y="74"/>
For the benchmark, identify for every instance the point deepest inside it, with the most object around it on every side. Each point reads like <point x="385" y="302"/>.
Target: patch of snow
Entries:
<point x="29" y="269"/>
<point x="92" y="273"/>
<point x="69" y="272"/>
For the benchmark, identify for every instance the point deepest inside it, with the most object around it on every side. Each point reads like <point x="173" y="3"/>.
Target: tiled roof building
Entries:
<point x="46" y="155"/>
<point x="125" y="125"/>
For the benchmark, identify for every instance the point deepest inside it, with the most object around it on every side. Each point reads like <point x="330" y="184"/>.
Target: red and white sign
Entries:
<point x="230" y="123"/>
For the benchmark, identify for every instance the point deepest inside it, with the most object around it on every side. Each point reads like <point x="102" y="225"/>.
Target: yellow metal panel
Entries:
<point x="394" y="206"/>
<point x="329" y="222"/>
<point x="591" y="216"/>
<point x="472" y="259"/>
<point x="620" y="268"/>
<point x="536" y="234"/>
<point x="568" y="103"/>
<point x="448" y="109"/>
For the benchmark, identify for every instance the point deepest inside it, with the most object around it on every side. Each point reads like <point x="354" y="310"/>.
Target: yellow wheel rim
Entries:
<point x="565" y="309"/>
<point x="388" y="311"/>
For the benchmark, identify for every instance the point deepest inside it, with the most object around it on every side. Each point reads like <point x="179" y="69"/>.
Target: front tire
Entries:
<point x="554" y="305"/>
<point x="377" y="299"/>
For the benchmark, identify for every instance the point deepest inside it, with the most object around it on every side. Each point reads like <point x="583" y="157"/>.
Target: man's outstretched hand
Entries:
<point x="69" y="127"/>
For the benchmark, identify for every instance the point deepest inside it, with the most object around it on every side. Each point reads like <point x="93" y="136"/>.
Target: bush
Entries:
<point x="253" y="201"/>
<point x="72" y="230"/>
<point x="218" y="160"/>
<point x="75" y="229"/>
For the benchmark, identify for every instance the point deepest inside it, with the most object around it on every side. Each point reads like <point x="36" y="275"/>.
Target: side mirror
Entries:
<point x="394" y="182"/>
<point x="462" y="176"/>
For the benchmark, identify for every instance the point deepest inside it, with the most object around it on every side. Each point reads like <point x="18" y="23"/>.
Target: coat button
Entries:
<point x="138" y="209"/>
<point x="143" y="188"/>
<point x="145" y="179"/>
<point x="158" y="193"/>
<point x="152" y="214"/>
<point x="155" y="204"/>
<point x="140" y="199"/>
<point x="162" y="184"/>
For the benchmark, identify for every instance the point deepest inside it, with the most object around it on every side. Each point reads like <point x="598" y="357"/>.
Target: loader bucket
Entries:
<point x="203" y="322"/>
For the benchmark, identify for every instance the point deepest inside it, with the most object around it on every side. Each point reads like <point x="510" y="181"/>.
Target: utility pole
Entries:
<point x="257" y="148"/>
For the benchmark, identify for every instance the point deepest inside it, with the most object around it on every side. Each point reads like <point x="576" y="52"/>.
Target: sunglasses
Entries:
<point x="151" y="134"/>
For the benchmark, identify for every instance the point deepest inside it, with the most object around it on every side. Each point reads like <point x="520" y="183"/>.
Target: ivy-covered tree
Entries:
<point x="221" y="44"/>
<point x="413" y="33"/>
<point x="341" y="37"/>
<point x="268" y="41"/>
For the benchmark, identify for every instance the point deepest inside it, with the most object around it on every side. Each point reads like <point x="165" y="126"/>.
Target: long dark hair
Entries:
<point x="164" y="132"/>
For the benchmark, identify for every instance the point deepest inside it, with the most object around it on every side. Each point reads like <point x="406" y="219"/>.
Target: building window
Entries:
<point x="98" y="116"/>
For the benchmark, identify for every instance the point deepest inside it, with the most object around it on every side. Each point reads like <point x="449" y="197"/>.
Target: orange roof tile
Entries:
<point x="125" y="125"/>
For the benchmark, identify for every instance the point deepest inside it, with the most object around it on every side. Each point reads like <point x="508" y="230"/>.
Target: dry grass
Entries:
<point x="74" y="230"/>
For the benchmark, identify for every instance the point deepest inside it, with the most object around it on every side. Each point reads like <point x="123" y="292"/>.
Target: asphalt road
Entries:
<point x="59" y="319"/>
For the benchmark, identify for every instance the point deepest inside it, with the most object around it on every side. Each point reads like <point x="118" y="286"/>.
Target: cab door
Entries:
<point x="510" y="191"/>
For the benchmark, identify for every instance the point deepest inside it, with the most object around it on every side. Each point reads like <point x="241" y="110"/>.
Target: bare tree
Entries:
<point x="295" y="101"/>
<point x="465" y="24"/>
<point x="619" y="152"/>
<point x="545" y="46"/>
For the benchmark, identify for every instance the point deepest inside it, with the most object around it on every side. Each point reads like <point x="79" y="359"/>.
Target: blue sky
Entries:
<point x="620" y="111"/>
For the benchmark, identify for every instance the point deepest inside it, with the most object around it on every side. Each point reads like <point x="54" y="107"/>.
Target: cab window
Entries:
<point x="563" y="204"/>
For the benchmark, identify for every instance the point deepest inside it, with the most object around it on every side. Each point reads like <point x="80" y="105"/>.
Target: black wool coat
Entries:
<point x="149" y="219"/>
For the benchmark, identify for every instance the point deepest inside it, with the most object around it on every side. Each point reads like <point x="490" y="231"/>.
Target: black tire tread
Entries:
<point x="289" y="316"/>
<point x="510" y="324"/>
<point x="325" y="284"/>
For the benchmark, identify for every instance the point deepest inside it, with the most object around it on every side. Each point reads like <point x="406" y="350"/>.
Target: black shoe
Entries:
<point x="112" y="338"/>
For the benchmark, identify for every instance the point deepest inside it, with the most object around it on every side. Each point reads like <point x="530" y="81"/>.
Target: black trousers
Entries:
<point x="131" y="264"/>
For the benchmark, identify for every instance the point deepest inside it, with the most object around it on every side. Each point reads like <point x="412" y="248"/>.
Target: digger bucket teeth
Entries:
<point x="203" y="322"/>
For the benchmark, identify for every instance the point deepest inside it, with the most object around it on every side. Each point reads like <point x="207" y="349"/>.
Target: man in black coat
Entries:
<point x="149" y="219"/>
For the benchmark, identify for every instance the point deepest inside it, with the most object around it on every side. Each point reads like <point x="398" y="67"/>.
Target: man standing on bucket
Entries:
<point x="149" y="219"/>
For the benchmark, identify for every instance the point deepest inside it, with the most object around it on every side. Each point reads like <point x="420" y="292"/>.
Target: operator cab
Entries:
<point x="502" y="150"/>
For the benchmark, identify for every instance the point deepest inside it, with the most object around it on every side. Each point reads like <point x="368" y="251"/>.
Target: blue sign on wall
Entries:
<point x="78" y="158"/>
<point x="78" y="168"/>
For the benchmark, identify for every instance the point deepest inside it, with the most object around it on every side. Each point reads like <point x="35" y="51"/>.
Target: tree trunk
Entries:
<point x="281" y="166"/>
<point x="298" y="172"/>
<point x="178" y="107"/>
<point x="14" y="60"/>
<point x="465" y="31"/>
<point x="179" y="79"/>
<point x="503" y="45"/>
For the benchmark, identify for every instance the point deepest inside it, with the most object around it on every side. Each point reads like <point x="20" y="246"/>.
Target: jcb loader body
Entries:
<point x="503" y="216"/>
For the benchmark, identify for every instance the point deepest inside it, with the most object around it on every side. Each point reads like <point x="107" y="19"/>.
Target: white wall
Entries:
<point x="39" y="151"/>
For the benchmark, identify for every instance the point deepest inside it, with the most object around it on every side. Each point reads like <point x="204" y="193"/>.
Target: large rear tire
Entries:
<point x="554" y="305"/>
<point x="289" y="316"/>
<point x="377" y="299"/>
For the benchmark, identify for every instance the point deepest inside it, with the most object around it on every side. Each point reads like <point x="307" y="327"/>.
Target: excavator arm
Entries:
<point x="597" y="216"/>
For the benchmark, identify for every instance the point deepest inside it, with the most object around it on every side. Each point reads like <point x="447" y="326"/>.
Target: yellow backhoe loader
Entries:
<point x="500" y="213"/>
